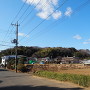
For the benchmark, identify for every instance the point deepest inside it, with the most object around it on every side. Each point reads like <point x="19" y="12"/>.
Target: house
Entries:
<point x="86" y="61"/>
<point x="31" y="60"/>
<point x="68" y="60"/>
<point x="5" y="58"/>
<point x="43" y="60"/>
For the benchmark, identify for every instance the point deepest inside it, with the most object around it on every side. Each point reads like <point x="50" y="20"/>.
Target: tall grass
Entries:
<point x="81" y="80"/>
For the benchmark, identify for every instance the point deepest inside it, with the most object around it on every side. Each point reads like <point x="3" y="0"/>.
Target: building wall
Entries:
<point x="5" y="58"/>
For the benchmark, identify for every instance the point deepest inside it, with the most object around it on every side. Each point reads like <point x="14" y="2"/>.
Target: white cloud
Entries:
<point x="43" y="15"/>
<point x="22" y="35"/>
<point x="86" y="42"/>
<point x="68" y="11"/>
<point x="57" y="15"/>
<point x="78" y="37"/>
<point x="45" y="8"/>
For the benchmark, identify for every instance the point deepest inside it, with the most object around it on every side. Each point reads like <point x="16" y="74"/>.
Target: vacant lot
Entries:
<point x="77" y="71"/>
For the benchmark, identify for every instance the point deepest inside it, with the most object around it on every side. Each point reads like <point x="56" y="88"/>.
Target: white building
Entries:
<point x="5" y="58"/>
<point x="86" y="62"/>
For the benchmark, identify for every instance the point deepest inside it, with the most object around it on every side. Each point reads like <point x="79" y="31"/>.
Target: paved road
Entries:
<point x="22" y="81"/>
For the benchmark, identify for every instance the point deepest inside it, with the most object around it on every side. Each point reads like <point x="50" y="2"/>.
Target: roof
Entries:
<point x="10" y="56"/>
<point x="86" y="61"/>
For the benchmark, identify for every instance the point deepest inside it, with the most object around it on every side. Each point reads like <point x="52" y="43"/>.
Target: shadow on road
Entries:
<point x="3" y="69"/>
<point x="37" y="88"/>
<point x="1" y="81"/>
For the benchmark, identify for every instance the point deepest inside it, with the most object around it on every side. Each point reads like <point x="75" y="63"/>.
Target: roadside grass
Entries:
<point x="82" y="80"/>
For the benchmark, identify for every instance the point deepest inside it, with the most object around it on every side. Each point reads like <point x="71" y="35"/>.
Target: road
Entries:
<point x="10" y="80"/>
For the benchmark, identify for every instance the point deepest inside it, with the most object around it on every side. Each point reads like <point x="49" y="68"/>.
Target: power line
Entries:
<point x="30" y="12"/>
<point x="17" y="16"/>
<point x="4" y="41"/>
<point x="25" y="11"/>
<point x="7" y="33"/>
<point x="19" y="11"/>
<point x="75" y="11"/>
<point x="28" y="22"/>
<point x="10" y="33"/>
<point x="64" y="18"/>
<point x="33" y="17"/>
<point x="5" y="45"/>
<point x="2" y="30"/>
<point x="14" y="19"/>
<point x="45" y="19"/>
<point x="84" y="4"/>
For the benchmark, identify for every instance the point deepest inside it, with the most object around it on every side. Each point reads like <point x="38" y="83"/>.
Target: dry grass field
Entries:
<point x="77" y="71"/>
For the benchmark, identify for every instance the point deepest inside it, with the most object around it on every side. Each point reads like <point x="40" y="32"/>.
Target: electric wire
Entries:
<point x="33" y="17"/>
<point x="20" y="16"/>
<point x="52" y="24"/>
<point x="44" y="19"/>
<point x="5" y="45"/>
<point x="14" y="20"/>
<point x="30" y="12"/>
<point x="25" y="11"/>
<point x="19" y="11"/>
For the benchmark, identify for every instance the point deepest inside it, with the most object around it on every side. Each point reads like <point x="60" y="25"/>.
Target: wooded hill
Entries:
<point x="51" y="52"/>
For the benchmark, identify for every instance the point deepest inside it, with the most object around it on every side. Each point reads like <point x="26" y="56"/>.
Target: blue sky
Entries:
<point x="68" y="26"/>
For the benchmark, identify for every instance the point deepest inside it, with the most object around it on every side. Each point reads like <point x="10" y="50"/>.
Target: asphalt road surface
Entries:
<point x="10" y="80"/>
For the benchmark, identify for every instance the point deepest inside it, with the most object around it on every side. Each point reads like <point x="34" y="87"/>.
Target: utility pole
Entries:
<point x="16" y="43"/>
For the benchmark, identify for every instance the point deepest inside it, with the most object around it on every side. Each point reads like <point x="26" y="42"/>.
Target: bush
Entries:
<point x="81" y="80"/>
<point x="9" y="66"/>
<point x="21" y="68"/>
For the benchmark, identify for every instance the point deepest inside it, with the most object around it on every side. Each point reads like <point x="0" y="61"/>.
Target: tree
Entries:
<point x="0" y="59"/>
<point x="82" y="55"/>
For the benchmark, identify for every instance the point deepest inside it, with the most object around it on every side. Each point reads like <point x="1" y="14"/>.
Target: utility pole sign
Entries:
<point x="16" y="43"/>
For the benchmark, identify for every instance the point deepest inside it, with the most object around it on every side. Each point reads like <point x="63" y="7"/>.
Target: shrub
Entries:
<point x="81" y="80"/>
<point x="9" y="66"/>
<point x="21" y="68"/>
